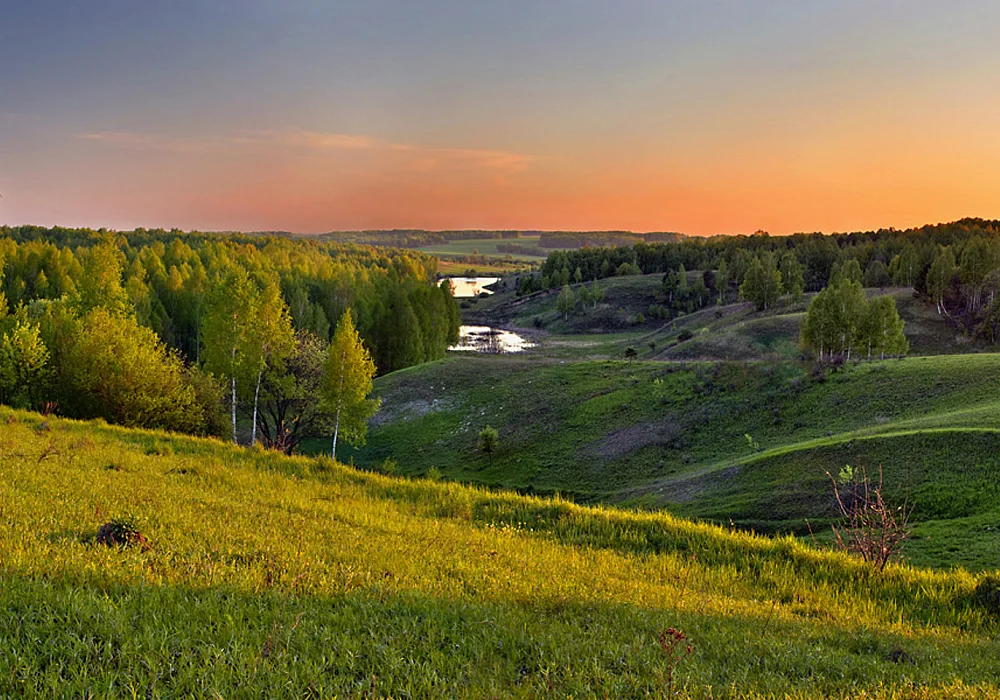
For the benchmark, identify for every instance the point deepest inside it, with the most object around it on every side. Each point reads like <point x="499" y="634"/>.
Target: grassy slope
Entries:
<point x="296" y="578"/>
<point x="732" y="332"/>
<point x="672" y="435"/>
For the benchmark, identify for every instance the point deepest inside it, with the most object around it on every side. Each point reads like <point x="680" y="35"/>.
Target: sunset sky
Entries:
<point x="314" y="115"/>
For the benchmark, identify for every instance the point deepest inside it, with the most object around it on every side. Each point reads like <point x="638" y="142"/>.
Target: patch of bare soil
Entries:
<point x="625" y="441"/>
<point x="391" y="412"/>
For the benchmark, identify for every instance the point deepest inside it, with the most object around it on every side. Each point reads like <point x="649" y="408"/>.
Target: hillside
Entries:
<point x="266" y="576"/>
<point x="731" y="332"/>
<point x="672" y="435"/>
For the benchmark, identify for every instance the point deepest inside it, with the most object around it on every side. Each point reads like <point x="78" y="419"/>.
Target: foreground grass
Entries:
<point x="275" y="577"/>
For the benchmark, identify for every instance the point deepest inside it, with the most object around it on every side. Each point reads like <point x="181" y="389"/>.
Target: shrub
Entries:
<point x="873" y="529"/>
<point x="489" y="441"/>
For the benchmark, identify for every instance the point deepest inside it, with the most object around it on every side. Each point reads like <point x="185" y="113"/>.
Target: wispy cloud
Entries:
<point x="415" y="156"/>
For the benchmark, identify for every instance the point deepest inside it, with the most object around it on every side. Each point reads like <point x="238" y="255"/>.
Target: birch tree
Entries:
<point x="347" y="382"/>
<point x="270" y="340"/>
<point x="229" y="348"/>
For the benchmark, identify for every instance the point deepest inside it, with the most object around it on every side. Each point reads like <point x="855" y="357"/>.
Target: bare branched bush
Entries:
<point x="873" y="528"/>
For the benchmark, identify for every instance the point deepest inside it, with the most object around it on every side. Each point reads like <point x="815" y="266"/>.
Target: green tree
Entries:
<point x="566" y="301"/>
<point x="290" y="407"/>
<point x="904" y="266"/>
<point x="231" y="350"/>
<point x="578" y="275"/>
<point x="489" y="441"/>
<point x="762" y="283"/>
<point x="347" y="381"/>
<point x="940" y="276"/>
<point x="271" y="340"/>
<point x="876" y="275"/>
<point x="882" y="329"/>
<point x="699" y="291"/>
<point x="833" y="323"/>
<point x="722" y="276"/>
<point x="23" y="365"/>
<point x="120" y="371"/>
<point x="596" y="292"/>
<point x="792" y="276"/>
<point x="101" y="282"/>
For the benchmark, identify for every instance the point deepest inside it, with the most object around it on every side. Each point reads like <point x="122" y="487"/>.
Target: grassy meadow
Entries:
<point x="669" y="431"/>
<point x="271" y="576"/>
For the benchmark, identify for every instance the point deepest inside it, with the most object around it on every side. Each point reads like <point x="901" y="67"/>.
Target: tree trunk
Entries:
<point x="233" y="384"/>
<point x="336" y="429"/>
<point x="340" y="402"/>
<point x="256" y="396"/>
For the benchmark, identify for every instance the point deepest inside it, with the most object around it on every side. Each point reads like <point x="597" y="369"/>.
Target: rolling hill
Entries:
<point x="260" y="575"/>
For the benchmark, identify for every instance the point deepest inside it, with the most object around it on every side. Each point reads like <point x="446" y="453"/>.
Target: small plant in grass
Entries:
<point x="873" y="528"/>
<point x="489" y="441"/>
<point x="388" y="466"/>
<point x="753" y="444"/>
<point x="433" y="474"/>
<point x="121" y="532"/>
<point x="676" y="647"/>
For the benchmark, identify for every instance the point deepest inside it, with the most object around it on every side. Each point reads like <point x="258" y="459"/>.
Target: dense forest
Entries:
<point x="148" y="328"/>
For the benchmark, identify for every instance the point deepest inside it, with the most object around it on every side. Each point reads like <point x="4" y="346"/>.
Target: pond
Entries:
<point x="490" y="340"/>
<point x="465" y="287"/>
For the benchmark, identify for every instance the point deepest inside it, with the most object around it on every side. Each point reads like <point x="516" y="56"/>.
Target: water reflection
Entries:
<point x="489" y="340"/>
<point x="465" y="287"/>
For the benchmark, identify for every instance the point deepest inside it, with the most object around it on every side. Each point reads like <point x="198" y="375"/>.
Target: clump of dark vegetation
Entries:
<point x="121" y="532"/>
<point x="899" y="655"/>
<point x="988" y="594"/>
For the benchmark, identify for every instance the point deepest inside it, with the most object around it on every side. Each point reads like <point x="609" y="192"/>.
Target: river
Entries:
<point x="490" y="340"/>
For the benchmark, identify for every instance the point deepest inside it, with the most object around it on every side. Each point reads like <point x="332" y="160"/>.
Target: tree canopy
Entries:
<point x="347" y="382"/>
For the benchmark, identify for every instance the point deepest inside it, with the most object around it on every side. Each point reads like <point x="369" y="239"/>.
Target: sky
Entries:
<point x="703" y="116"/>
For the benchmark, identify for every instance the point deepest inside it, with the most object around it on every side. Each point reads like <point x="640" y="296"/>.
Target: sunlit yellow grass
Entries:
<point x="311" y="542"/>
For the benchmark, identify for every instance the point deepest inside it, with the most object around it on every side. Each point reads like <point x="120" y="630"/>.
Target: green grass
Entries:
<point x="269" y="577"/>
<point x="486" y="247"/>
<point x="671" y="435"/>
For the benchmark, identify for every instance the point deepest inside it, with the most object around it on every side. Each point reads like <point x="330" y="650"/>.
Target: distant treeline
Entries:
<point x="595" y="239"/>
<point x="66" y="294"/>
<point x="416" y="238"/>
<point x="955" y="264"/>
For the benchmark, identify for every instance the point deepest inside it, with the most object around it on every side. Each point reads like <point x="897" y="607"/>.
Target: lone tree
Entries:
<point x="347" y="381"/>
<point x="566" y="301"/>
<point x="630" y="354"/>
<point x="489" y="441"/>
